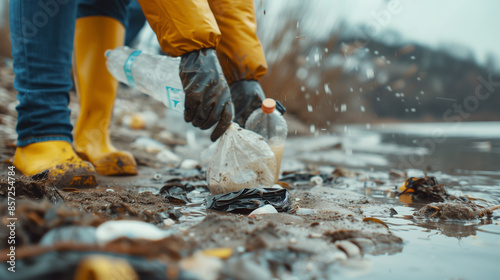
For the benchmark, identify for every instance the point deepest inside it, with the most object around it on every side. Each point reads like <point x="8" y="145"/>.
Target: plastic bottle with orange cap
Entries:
<point x="268" y="122"/>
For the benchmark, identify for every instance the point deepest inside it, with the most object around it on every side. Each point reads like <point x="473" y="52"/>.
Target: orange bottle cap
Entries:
<point x="268" y="105"/>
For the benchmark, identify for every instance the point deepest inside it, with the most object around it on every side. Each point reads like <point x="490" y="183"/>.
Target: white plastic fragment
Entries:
<point x="157" y="177"/>
<point x="351" y="249"/>
<point x="112" y="230"/>
<point x="149" y="144"/>
<point x="316" y="181"/>
<point x="266" y="209"/>
<point x="168" y="223"/>
<point x="167" y="156"/>
<point x="188" y="164"/>
<point x="305" y="211"/>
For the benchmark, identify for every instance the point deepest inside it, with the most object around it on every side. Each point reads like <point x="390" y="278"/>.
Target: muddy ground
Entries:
<point x="327" y="227"/>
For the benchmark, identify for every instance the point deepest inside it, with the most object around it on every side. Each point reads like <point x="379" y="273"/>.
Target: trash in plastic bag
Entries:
<point x="247" y="200"/>
<point x="243" y="159"/>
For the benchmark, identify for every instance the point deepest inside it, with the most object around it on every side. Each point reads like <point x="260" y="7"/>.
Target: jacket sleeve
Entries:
<point x="182" y="26"/>
<point x="240" y="51"/>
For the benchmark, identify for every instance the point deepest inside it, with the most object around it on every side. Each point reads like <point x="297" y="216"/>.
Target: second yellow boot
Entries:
<point x="96" y="89"/>
<point x="65" y="168"/>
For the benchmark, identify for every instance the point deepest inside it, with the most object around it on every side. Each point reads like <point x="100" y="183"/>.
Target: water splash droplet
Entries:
<point x="327" y="89"/>
<point x="343" y="107"/>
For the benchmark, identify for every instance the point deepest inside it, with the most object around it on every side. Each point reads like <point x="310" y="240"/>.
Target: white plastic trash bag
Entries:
<point x="243" y="159"/>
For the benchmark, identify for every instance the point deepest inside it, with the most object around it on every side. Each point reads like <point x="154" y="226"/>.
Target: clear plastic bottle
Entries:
<point x="269" y="123"/>
<point x="155" y="75"/>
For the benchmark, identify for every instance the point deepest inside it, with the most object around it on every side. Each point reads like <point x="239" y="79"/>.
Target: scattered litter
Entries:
<point x="341" y="172"/>
<point x="135" y="121"/>
<point x="189" y="164"/>
<point x="167" y="156"/>
<point x="393" y="173"/>
<point x="247" y="200"/>
<point x="149" y="144"/>
<point x="424" y="189"/>
<point x="455" y="211"/>
<point x="375" y="220"/>
<point x="316" y="181"/>
<point x="175" y="191"/>
<point x="204" y="266"/>
<point x="305" y="211"/>
<point x="157" y="177"/>
<point x="221" y="253"/>
<point x="112" y="230"/>
<point x="168" y="222"/>
<point x="72" y="233"/>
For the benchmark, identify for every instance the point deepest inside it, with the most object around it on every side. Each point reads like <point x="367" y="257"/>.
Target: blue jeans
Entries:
<point x="42" y="33"/>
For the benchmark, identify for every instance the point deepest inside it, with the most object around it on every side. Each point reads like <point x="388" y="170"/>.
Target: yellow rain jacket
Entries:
<point x="228" y="26"/>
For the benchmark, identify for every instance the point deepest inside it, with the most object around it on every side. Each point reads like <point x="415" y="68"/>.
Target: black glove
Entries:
<point x="208" y="99"/>
<point x="247" y="96"/>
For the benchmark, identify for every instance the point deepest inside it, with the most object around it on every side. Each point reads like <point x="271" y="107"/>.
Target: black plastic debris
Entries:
<point x="247" y="200"/>
<point x="175" y="191"/>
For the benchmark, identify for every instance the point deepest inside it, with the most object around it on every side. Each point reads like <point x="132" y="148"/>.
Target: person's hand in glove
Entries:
<point x="247" y="96"/>
<point x="208" y="99"/>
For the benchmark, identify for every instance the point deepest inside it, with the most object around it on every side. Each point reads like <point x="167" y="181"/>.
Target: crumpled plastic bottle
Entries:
<point x="155" y="75"/>
<point x="243" y="159"/>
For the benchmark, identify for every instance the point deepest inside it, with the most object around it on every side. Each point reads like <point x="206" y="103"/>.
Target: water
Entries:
<point x="466" y="159"/>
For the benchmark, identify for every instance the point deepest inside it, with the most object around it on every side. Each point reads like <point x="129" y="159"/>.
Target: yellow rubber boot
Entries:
<point x="96" y="89"/>
<point x="66" y="169"/>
